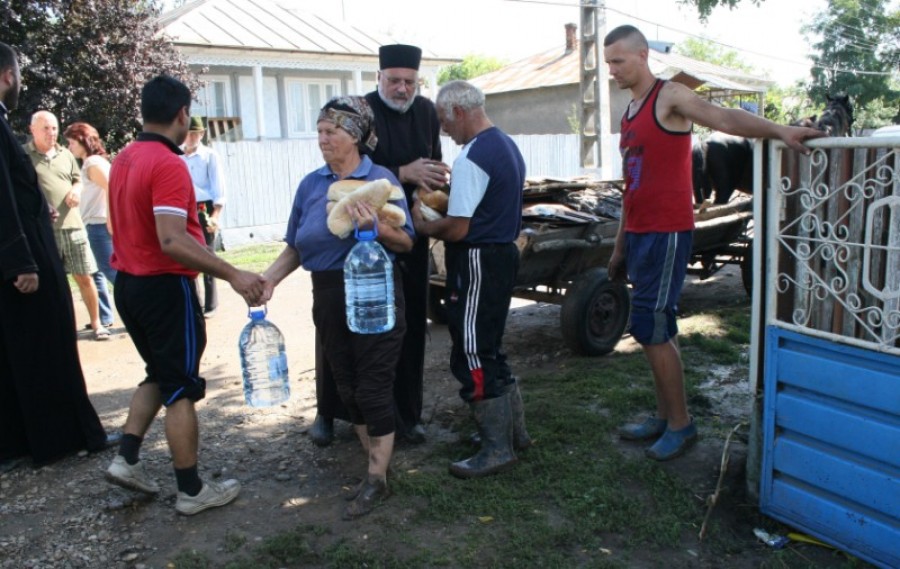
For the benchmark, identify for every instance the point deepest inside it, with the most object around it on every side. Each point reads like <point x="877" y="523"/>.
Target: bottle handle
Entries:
<point x="252" y="309"/>
<point x="365" y="234"/>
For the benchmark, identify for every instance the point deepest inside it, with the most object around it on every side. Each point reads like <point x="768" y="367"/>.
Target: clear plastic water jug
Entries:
<point x="369" y="286"/>
<point x="263" y="362"/>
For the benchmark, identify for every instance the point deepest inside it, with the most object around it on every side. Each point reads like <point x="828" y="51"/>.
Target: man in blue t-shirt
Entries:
<point x="483" y="219"/>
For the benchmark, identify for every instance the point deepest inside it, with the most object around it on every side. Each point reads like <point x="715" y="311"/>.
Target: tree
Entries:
<point x="858" y="51"/>
<point x="781" y="104"/>
<point x="705" y="50"/>
<point x="86" y="60"/>
<point x="786" y="105"/>
<point x="471" y="66"/>
<point x="705" y="7"/>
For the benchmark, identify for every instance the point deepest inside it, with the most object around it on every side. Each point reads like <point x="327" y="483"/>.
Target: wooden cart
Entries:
<point x="564" y="262"/>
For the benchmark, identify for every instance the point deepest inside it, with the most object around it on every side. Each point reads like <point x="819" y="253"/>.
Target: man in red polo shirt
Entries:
<point x="159" y="250"/>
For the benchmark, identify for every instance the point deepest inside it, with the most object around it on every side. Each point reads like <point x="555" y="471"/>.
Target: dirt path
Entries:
<point x="68" y="516"/>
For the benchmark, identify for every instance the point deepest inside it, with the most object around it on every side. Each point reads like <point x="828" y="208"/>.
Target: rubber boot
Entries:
<point x="495" y="425"/>
<point x="322" y="431"/>
<point x="521" y="439"/>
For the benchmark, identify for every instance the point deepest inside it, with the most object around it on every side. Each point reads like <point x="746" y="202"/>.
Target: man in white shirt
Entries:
<point x="209" y="187"/>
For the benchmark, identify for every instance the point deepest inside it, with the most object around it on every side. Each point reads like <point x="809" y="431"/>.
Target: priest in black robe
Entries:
<point x="409" y="144"/>
<point x="45" y="412"/>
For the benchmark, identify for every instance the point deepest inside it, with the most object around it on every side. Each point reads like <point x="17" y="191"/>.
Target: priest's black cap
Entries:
<point x="399" y="55"/>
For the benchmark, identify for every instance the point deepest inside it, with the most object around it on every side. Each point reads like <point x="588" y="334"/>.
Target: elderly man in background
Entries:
<point x="59" y="176"/>
<point x="209" y="188"/>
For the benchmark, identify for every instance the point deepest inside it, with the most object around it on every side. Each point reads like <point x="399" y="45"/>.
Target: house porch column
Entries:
<point x="260" y="109"/>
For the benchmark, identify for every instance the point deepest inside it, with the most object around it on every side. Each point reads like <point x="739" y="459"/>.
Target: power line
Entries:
<point x="690" y="34"/>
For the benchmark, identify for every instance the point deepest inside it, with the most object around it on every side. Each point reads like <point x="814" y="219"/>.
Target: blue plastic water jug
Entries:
<point x="369" y="285"/>
<point x="263" y="362"/>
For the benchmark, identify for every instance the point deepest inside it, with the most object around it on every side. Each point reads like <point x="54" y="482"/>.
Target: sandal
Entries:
<point x="101" y="334"/>
<point x="372" y="492"/>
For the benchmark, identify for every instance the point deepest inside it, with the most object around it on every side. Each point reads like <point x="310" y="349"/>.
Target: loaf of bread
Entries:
<point x="436" y="200"/>
<point x="392" y="215"/>
<point x="342" y="188"/>
<point x="428" y="213"/>
<point x="375" y="193"/>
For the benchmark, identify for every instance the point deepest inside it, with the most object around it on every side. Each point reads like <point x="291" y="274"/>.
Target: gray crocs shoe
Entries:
<point x="650" y="428"/>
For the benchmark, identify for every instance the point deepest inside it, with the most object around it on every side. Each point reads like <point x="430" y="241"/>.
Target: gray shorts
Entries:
<point x="75" y="251"/>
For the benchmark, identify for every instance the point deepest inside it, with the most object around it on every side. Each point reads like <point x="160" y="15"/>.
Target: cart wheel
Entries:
<point x="594" y="313"/>
<point x="437" y="306"/>
<point x="747" y="270"/>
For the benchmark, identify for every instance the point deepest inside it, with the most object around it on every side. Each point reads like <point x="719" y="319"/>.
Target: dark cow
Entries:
<point x="837" y="118"/>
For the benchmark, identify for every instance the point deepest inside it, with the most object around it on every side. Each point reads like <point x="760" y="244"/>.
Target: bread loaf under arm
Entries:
<point x="375" y="193"/>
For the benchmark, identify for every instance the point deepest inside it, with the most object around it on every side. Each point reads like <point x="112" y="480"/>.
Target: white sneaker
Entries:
<point x="131" y="476"/>
<point x="213" y="495"/>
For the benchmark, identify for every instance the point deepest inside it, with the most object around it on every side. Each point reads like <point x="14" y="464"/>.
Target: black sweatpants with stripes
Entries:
<point x="480" y="282"/>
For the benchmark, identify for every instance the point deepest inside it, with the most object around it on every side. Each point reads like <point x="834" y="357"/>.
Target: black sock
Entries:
<point x="130" y="448"/>
<point x="188" y="480"/>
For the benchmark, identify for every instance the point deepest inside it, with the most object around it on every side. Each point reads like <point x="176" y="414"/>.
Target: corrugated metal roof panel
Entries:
<point x="270" y="25"/>
<point x="548" y="69"/>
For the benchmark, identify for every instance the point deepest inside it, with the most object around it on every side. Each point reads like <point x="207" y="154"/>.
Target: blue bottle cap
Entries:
<point x="258" y="312"/>
<point x="365" y="234"/>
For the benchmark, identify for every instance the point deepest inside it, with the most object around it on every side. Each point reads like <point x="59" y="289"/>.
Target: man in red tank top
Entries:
<point x="654" y="240"/>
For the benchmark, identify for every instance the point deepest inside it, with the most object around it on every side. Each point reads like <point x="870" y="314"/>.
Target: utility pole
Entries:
<point x="594" y="131"/>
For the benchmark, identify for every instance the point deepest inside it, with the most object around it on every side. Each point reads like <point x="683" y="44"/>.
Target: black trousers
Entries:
<point x="210" y="295"/>
<point x="362" y="365"/>
<point x="409" y="382"/>
<point x="413" y="270"/>
<point x="479" y="289"/>
<point x="163" y="317"/>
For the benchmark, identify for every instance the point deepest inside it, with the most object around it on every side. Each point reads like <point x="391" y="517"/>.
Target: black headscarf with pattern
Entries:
<point x="353" y="114"/>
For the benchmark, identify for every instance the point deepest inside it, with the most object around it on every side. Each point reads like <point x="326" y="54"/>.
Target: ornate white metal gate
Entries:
<point x="830" y="311"/>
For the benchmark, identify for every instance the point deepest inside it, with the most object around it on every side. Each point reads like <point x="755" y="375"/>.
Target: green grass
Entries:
<point x="574" y="500"/>
<point x="253" y="257"/>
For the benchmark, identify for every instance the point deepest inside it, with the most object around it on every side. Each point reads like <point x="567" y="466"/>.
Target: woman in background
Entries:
<point x="84" y="142"/>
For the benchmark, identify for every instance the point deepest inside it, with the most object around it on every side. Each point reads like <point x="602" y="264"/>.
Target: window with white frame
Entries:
<point x="304" y="99"/>
<point x="214" y="97"/>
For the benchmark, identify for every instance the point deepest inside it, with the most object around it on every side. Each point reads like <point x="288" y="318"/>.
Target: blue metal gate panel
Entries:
<point x="831" y="443"/>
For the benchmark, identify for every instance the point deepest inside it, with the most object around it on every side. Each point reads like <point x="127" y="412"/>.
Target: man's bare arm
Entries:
<point x="171" y="230"/>
<point x="678" y="100"/>
<point x="446" y="229"/>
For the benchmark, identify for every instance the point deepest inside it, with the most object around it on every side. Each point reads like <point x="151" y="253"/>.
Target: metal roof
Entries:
<point x="269" y="25"/>
<point x="557" y="67"/>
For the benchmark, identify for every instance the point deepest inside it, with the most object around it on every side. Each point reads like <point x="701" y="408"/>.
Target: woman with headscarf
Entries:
<point x="362" y="364"/>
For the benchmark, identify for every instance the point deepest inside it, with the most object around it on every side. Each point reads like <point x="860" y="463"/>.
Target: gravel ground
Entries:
<point x="67" y="516"/>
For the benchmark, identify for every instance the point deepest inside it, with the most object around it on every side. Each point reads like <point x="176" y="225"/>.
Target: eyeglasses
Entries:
<point x="397" y="81"/>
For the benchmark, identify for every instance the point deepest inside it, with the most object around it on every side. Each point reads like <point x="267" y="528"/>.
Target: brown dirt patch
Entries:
<point x="66" y="515"/>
